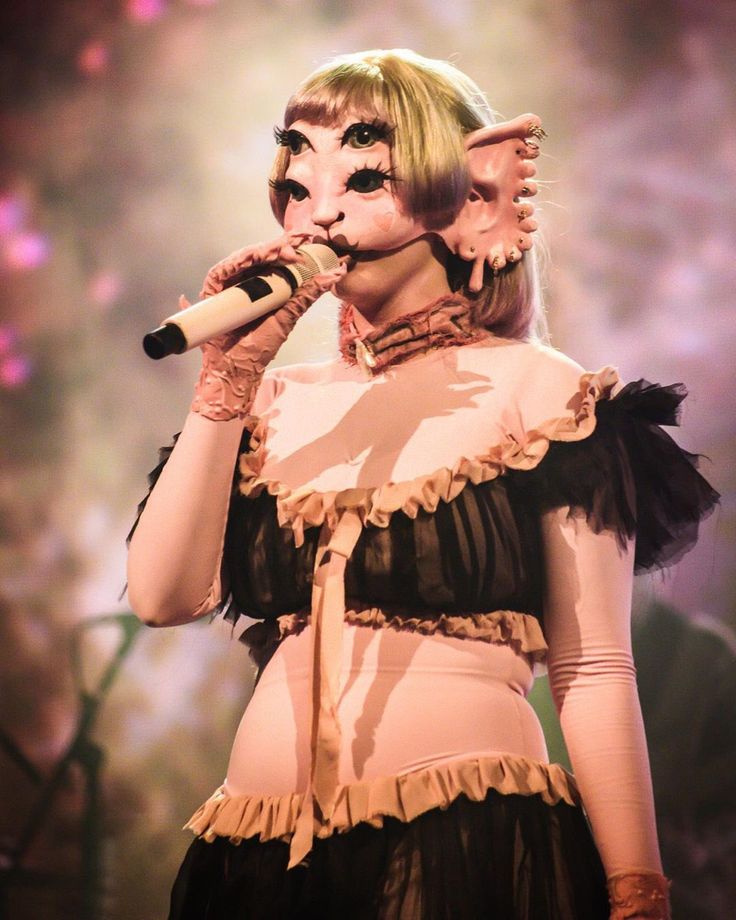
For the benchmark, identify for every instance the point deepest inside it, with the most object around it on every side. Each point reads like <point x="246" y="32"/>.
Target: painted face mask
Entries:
<point x="339" y="187"/>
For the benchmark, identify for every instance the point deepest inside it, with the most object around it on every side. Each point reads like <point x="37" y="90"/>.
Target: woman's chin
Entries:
<point x="375" y="277"/>
<point x="360" y="280"/>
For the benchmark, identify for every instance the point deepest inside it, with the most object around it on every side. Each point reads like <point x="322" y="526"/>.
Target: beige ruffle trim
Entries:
<point x="506" y="627"/>
<point x="306" y="507"/>
<point x="404" y="797"/>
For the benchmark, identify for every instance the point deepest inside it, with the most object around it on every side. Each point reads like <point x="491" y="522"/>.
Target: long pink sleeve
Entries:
<point x="593" y="681"/>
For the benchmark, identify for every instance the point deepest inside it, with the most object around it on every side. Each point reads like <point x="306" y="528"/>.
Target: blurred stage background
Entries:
<point x="136" y="141"/>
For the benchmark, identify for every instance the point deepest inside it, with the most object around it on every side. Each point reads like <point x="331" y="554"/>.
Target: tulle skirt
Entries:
<point x="509" y="857"/>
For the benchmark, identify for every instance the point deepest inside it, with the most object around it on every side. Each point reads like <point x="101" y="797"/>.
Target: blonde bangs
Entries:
<point x="332" y="92"/>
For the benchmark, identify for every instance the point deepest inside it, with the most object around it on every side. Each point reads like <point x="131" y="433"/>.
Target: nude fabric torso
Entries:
<point x="406" y="702"/>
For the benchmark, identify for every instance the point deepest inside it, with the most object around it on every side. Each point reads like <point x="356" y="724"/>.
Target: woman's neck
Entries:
<point x="385" y="286"/>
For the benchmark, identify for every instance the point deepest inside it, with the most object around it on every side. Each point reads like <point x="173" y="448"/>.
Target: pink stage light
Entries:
<point x="93" y="58"/>
<point x="15" y="370"/>
<point x="27" y="250"/>
<point x="104" y="288"/>
<point x="146" y="10"/>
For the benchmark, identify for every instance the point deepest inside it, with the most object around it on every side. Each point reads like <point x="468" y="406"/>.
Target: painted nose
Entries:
<point x="327" y="214"/>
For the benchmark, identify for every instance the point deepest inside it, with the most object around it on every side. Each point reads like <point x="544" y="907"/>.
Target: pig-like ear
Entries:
<point x="495" y="224"/>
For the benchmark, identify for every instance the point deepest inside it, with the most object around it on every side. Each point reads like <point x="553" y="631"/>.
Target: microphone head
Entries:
<point x="318" y="258"/>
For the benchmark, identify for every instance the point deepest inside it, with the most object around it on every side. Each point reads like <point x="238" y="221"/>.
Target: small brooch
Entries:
<point x="365" y="357"/>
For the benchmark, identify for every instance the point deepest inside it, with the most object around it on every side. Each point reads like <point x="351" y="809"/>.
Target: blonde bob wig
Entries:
<point x="428" y="106"/>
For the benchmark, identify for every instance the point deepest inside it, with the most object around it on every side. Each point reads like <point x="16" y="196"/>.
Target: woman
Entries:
<point x="417" y="523"/>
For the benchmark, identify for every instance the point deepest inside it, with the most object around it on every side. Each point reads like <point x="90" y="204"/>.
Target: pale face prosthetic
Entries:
<point x="339" y="187"/>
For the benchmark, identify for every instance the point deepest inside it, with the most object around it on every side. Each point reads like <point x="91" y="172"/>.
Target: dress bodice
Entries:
<point x="450" y="460"/>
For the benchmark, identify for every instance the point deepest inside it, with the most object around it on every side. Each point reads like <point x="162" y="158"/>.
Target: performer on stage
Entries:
<point x="417" y="524"/>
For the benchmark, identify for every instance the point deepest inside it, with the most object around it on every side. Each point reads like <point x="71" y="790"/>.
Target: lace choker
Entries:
<point x="446" y="321"/>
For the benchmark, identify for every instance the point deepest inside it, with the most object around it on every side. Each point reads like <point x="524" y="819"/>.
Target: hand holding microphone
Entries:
<point x="234" y="360"/>
<point x="247" y="297"/>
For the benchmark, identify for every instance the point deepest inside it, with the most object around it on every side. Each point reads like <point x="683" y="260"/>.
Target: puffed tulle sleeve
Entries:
<point x="629" y="476"/>
<point x="163" y="457"/>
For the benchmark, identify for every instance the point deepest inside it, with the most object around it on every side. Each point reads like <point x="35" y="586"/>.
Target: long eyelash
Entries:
<point x="382" y="129"/>
<point x="388" y="174"/>
<point x="284" y="136"/>
<point x="280" y="185"/>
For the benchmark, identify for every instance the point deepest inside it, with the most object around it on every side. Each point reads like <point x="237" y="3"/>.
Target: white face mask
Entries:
<point x="340" y="189"/>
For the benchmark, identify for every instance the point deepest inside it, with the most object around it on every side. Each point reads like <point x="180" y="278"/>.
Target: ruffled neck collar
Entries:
<point x="444" y="322"/>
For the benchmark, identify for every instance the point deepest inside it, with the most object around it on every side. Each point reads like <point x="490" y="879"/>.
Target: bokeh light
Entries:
<point x="93" y="58"/>
<point x="146" y="10"/>
<point x="14" y="370"/>
<point x="26" y="250"/>
<point x="105" y="288"/>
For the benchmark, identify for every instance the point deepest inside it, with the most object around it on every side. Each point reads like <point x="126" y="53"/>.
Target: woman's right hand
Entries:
<point x="233" y="363"/>
<point x="232" y="269"/>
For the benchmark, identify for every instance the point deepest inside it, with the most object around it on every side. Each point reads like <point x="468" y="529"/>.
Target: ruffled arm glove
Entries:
<point x="593" y="682"/>
<point x="233" y="364"/>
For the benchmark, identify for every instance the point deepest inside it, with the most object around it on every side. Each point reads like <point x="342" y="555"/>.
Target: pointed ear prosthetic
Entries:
<point x="495" y="224"/>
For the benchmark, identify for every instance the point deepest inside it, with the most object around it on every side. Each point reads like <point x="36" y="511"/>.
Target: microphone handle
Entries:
<point x="234" y="307"/>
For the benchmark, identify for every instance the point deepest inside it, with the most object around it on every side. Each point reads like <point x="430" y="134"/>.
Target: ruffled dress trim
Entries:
<point x="403" y="797"/>
<point x="521" y="631"/>
<point x="305" y="507"/>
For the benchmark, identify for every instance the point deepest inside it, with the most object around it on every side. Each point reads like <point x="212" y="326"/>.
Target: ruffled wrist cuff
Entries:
<point x="221" y="396"/>
<point x="638" y="895"/>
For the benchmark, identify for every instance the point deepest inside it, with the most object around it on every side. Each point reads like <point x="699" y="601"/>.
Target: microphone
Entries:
<point x="239" y="304"/>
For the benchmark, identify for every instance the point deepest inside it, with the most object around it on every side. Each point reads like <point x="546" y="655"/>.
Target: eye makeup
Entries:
<point x="360" y="136"/>
<point x="294" y="140"/>
<point x="291" y="187"/>
<point x="364" y="134"/>
<point x="364" y="180"/>
<point x="369" y="179"/>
